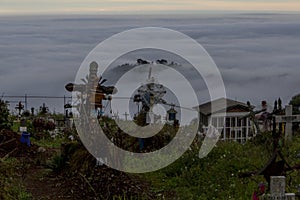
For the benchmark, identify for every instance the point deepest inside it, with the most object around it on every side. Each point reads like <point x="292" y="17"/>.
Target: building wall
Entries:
<point x="231" y="126"/>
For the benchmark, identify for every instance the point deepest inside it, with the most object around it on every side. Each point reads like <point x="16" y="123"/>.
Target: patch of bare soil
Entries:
<point x="105" y="183"/>
<point x="11" y="146"/>
<point x="77" y="178"/>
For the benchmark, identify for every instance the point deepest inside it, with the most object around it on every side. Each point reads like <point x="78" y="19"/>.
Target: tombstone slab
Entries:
<point x="277" y="186"/>
<point x="290" y="196"/>
<point x="277" y="189"/>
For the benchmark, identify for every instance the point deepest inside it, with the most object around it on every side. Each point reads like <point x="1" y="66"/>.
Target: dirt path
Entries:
<point x="43" y="185"/>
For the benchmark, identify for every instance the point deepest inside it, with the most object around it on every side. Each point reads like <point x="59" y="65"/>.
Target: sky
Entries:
<point x="33" y="7"/>
<point x="257" y="54"/>
<point x="255" y="44"/>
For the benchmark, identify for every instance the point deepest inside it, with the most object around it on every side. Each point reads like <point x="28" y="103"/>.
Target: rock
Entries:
<point x="41" y="150"/>
<point x="71" y="137"/>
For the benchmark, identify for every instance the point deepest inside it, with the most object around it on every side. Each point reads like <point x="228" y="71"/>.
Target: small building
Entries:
<point x="230" y="122"/>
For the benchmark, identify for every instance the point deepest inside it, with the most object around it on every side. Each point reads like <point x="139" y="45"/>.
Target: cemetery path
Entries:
<point x="43" y="185"/>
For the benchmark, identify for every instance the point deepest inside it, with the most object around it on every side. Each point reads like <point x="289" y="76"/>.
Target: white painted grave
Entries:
<point x="277" y="189"/>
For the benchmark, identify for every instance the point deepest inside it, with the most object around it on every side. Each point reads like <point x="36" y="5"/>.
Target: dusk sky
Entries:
<point x="20" y="7"/>
<point x="257" y="51"/>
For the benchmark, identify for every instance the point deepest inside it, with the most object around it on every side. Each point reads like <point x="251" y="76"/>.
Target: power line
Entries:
<point x="25" y="98"/>
<point x="37" y="97"/>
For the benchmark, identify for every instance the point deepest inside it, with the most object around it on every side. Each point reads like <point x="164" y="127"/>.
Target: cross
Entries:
<point x="126" y="115"/>
<point x="19" y="107"/>
<point x="115" y="116"/>
<point x="288" y="118"/>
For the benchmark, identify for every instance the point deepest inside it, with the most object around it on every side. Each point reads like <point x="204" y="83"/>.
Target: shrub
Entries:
<point x="4" y="116"/>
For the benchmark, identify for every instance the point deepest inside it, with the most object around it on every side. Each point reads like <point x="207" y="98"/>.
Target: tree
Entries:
<point x="295" y="102"/>
<point x="4" y="116"/>
<point x="162" y="61"/>
<point x="142" y="62"/>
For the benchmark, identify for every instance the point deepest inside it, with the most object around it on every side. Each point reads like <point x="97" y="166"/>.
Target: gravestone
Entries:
<point x="298" y="192"/>
<point x="288" y="118"/>
<point x="277" y="186"/>
<point x="277" y="189"/>
<point x="115" y="117"/>
<point x="23" y="127"/>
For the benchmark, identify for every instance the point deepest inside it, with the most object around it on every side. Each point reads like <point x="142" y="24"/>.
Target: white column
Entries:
<point x="224" y="127"/>
<point x="230" y="135"/>
<point x="235" y="129"/>
<point x="247" y="128"/>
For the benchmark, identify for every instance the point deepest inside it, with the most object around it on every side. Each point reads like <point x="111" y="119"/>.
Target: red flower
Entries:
<point x="254" y="196"/>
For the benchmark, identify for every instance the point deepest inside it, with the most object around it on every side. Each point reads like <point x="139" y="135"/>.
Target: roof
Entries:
<point x="219" y="106"/>
<point x="172" y="110"/>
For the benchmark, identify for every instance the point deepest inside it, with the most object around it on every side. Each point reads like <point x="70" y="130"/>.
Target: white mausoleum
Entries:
<point x="230" y="122"/>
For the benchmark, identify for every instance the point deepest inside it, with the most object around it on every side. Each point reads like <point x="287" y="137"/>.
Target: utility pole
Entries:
<point x="25" y="101"/>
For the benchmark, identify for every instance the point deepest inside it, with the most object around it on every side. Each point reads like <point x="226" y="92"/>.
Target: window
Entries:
<point x="233" y="124"/>
<point x="215" y="122"/>
<point x="227" y="122"/>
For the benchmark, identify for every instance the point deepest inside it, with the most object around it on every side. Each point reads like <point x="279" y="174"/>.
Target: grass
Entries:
<point x="49" y="142"/>
<point x="217" y="175"/>
<point x="10" y="185"/>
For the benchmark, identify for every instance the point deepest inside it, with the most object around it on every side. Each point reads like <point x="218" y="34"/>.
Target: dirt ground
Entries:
<point x="41" y="185"/>
<point x="99" y="182"/>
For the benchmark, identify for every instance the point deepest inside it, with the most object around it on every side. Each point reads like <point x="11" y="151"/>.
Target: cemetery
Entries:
<point x="257" y="156"/>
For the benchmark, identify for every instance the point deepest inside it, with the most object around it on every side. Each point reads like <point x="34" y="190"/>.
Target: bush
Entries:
<point x="4" y="116"/>
<point x="41" y="124"/>
<point x="57" y="164"/>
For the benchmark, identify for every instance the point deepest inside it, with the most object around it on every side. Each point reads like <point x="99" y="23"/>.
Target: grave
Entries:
<point x="298" y="192"/>
<point x="289" y="119"/>
<point x="277" y="189"/>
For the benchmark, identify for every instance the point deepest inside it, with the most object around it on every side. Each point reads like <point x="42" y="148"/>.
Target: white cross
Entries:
<point x="288" y="118"/>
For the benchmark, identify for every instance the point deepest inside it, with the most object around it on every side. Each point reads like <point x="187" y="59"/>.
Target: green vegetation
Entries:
<point x="217" y="175"/>
<point x="48" y="142"/>
<point x="5" y="122"/>
<point x="10" y="183"/>
<point x="295" y="102"/>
